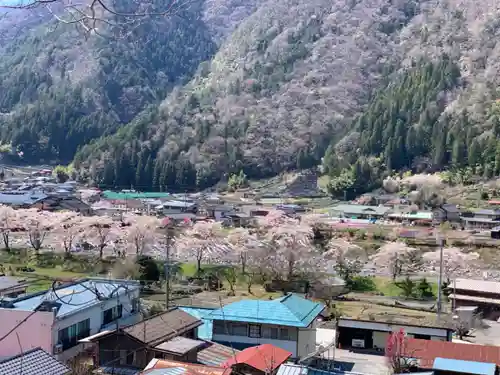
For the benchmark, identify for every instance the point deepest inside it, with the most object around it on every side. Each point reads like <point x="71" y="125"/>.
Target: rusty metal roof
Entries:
<point x="215" y="354"/>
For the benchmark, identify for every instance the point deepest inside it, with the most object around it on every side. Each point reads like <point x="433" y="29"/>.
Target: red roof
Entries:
<point x="494" y="202"/>
<point x="265" y="358"/>
<point x="427" y="351"/>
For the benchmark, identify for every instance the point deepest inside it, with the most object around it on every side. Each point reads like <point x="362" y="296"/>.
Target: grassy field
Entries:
<point x="386" y="286"/>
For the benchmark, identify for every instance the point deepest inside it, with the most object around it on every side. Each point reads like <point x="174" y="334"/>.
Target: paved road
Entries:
<point x="346" y="360"/>
<point x="488" y="336"/>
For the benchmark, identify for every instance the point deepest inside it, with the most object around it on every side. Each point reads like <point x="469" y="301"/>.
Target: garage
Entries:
<point x="373" y="335"/>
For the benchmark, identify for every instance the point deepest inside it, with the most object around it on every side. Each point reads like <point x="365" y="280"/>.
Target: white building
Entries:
<point x="288" y="322"/>
<point x="56" y="319"/>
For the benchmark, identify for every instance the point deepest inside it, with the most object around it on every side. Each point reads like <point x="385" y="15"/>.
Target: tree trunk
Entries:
<point x="198" y="265"/>
<point x="5" y="236"/>
<point x="101" y="251"/>
<point x="243" y="263"/>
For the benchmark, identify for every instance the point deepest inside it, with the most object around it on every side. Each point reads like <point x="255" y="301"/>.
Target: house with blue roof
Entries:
<point x="55" y="320"/>
<point x="288" y="322"/>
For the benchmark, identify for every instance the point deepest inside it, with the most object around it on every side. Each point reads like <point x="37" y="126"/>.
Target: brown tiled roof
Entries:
<point x="427" y="351"/>
<point x="163" y="327"/>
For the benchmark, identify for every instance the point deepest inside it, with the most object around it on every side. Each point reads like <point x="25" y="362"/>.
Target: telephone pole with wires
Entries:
<point x="169" y="239"/>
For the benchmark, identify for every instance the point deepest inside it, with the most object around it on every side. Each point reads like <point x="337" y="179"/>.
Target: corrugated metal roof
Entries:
<point x="7" y="282"/>
<point x="477" y="285"/>
<point x="108" y="194"/>
<point x="79" y="295"/>
<point x="462" y="297"/>
<point x="357" y="209"/>
<point x="427" y="350"/>
<point x="180" y="345"/>
<point x="465" y="367"/>
<point x="167" y="371"/>
<point x="419" y="215"/>
<point x="215" y="354"/>
<point x="33" y="362"/>
<point x="290" y="310"/>
<point x="25" y="198"/>
<point x="291" y="369"/>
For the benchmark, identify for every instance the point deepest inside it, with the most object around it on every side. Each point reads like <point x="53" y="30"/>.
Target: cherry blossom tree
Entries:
<point x="100" y="231"/>
<point x="454" y="260"/>
<point x="8" y="221"/>
<point x="141" y="232"/>
<point x="200" y="241"/>
<point x="396" y="353"/>
<point x="289" y="245"/>
<point x="69" y="228"/>
<point x="397" y="258"/>
<point x="38" y="225"/>
<point x="243" y="241"/>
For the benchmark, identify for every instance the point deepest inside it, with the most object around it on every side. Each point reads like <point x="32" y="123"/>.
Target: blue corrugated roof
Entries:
<point x="464" y="367"/>
<point x="205" y="330"/>
<point x="290" y="310"/>
<point x="77" y="296"/>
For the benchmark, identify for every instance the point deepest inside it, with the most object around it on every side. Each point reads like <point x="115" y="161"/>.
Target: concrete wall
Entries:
<point x="34" y="332"/>
<point x="306" y="341"/>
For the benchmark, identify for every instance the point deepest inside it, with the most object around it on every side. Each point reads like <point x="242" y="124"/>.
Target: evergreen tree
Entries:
<point x="474" y="154"/>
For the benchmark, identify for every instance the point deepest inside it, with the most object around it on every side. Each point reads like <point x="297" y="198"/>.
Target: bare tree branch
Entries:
<point x="102" y="17"/>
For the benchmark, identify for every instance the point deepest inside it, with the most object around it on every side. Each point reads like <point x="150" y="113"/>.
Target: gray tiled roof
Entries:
<point x="33" y="362"/>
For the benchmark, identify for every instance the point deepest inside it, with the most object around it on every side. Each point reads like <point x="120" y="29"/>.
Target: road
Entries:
<point x="345" y="360"/>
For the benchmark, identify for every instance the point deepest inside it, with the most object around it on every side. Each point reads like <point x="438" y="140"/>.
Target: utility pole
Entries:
<point x="170" y="230"/>
<point x="440" y="280"/>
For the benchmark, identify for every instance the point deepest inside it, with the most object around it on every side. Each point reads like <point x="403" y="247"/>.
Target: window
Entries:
<point x="239" y="329"/>
<point x="254" y="330"/>
<point x="135" y="305"/>
<point x="69" y="336"/>
<point x="219" y="327"/>
<point x="284" y="334"/>
<point x="112" y="314"/>
<point x="270" y="332"/>
<point x="130" y="358"/>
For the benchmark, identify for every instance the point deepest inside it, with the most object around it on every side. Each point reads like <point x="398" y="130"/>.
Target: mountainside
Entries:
<point x="261" y="86"/>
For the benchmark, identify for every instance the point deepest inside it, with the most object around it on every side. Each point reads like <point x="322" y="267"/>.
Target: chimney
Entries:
<point x="54" y="311"/>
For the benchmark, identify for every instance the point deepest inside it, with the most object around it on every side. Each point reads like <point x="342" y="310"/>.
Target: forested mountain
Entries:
<point x="261" y="86"/>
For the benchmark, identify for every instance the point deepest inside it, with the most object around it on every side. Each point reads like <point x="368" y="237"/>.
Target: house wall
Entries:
<point x="95" y="313"/>
<point x="34" y="332"/>
<point x="113" y="351"/>
<point x="291" y="346"/>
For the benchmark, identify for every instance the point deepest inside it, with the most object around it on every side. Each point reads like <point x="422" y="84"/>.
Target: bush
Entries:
<point x="363" y="284"/>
